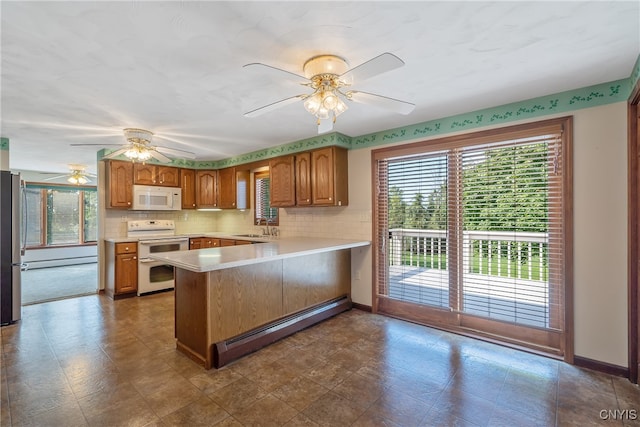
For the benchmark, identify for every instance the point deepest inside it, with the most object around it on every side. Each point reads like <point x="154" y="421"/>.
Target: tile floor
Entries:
<point x="93" y="361"/>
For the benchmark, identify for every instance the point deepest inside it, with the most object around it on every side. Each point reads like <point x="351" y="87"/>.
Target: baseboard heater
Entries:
<point x="240" y="345"/>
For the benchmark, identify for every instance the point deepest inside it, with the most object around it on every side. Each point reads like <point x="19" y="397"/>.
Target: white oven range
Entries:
<point x="155" y="236"/>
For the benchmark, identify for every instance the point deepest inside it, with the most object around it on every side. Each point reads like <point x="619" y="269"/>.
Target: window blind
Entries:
<point x="471" y="232"/>
<point x="263" y="210"/>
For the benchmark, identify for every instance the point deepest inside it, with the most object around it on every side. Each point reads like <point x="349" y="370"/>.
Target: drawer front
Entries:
<point x="126" y="248"/>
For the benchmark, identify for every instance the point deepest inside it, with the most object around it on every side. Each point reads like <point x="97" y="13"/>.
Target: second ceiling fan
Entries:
<point x="329" y="76"/>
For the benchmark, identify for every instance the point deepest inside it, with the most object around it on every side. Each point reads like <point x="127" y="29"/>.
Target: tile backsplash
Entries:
<point x="339" y="222"/>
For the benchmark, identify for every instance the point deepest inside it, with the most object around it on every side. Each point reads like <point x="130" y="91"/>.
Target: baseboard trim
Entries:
<point x="362" y="307"/>
<point x="596" y="365"/>
<point x="238" y="346"/>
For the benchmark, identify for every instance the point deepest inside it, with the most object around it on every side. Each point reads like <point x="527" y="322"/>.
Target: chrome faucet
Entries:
<point x="268" y="230"/>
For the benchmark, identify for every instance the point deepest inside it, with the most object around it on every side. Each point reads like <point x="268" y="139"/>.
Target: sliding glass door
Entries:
<point x="471" y="233"/>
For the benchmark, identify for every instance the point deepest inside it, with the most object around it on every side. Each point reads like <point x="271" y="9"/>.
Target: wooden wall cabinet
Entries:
<point x="207" y="189"/>
<point x="227" y="188"/>
<point x="314" y="178"/>
<point x="122" y="269"/>
<point x="282" y="181"/>
<point x="233" y="188"/>
<point x="146" y="174"/>
<point x="188" y="185"/>
<point x="329" y="177"/>
<point x="119" y="184"/>
<point x="303" y="179"/>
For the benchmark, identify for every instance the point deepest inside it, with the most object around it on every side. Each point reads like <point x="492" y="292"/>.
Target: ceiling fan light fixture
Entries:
<point x="340" y="108"/>
<point x="77" y="179"/>
<point x="312" y="103"/>
<point x="330" y="100"/>
<point x="325" y="64"/>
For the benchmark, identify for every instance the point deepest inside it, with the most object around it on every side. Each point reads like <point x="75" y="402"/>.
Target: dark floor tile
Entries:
<point x="459" y="404"/>
<point x="238" y="395"/>
<point x="400" y="408"/>
<point x="328" y="374"/>
<point x="300" y="392"/>
<point x="201" y="412"/>
<point x="334" y="410"/>
<point x="268" y="411"/>
<point x="113" y="363"/>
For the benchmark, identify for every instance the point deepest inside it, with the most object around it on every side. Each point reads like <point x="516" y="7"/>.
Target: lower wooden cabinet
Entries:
<point x="122" y="269"/>
<point x="209" y="242"/>
<point x="203" y="242"/>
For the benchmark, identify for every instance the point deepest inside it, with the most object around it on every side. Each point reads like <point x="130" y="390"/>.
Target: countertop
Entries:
<point x="215" y="234"/>
<point x="203" y="260"/>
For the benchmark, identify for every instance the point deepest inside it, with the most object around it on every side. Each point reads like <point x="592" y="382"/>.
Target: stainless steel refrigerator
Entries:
<point x="11" y="248"/>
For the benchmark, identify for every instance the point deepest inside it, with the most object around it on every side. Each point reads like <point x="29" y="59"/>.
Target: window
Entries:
<point x="60" y="215"/>
<point x="473" y="233"/>
<point x="263" y="211"/>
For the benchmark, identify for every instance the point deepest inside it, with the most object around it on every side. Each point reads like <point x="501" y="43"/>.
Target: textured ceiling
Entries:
<point x="80" y="72"/>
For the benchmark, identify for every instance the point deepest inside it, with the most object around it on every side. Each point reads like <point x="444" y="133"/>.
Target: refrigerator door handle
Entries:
<point x="23" y="227"/>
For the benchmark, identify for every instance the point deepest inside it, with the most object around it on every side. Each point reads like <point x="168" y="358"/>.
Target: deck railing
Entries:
<point x="521" y="255"/>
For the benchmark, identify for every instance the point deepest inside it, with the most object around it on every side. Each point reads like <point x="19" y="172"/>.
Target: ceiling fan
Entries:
<point x="139" y="148"/>
<point x="77" y="175"/>
<point x="328" y="76"/>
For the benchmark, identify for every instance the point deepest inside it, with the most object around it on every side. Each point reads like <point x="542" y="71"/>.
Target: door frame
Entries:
<point x="633" y="267"/>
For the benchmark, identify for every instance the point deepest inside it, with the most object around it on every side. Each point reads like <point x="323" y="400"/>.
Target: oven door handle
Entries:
<point x="147" y="260"/>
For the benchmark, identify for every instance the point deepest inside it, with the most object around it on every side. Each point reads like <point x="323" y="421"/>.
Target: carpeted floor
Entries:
<point x="47" y="284"/>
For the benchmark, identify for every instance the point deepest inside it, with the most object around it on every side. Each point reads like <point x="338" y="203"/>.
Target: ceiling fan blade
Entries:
<point x="268" y="69"/>
<point x="176" y="152"/>
<point x="95" y="145"/>
<point x="325" y="126"/>
<point x="378" y="65"/>
<point x="116" y="153"/>
<point x="385" y="102"/>
<point x="54" y="177"/>
<point x="159" y="156"/>
<point x="273" y="106"/>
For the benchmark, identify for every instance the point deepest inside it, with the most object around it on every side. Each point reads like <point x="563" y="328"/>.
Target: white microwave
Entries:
<point x="152" y="198"/>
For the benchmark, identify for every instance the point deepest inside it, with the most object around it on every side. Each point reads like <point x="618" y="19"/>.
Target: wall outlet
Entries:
<point x="358" y="276"/>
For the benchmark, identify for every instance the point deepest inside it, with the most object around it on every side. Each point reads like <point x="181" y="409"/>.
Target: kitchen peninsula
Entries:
<point x="232" y="301"/>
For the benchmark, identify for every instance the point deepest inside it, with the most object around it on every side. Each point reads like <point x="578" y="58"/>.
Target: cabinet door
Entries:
<point x="206" y="189"/>
<point x="227" y="188"/>
<point x="282" y="182"/>
<point x="196" y="243"/>
<point x="144" y="174"/>
<point x="208" y="242"/>
<point x="322" y="179"/>
<point x="120" y="184"/>
<point x="303" y="179"/>
<point x="126" y="273"/>
<point x="167" y="176"/>
<point x="188" y="185"/>
<point x="227" y="242"/>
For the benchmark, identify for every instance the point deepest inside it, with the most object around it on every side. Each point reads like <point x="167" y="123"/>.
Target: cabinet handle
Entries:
<point x="329" y="198"/>
<point x="128" y="203"/>
<point x="307" y="200"/>
<point x="126" y="248"/>
<point x="194" y="205"/>
<point x="135" y="257"/>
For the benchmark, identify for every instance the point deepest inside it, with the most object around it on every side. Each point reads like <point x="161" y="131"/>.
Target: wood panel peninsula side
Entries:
<point x="234" y="300"/>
